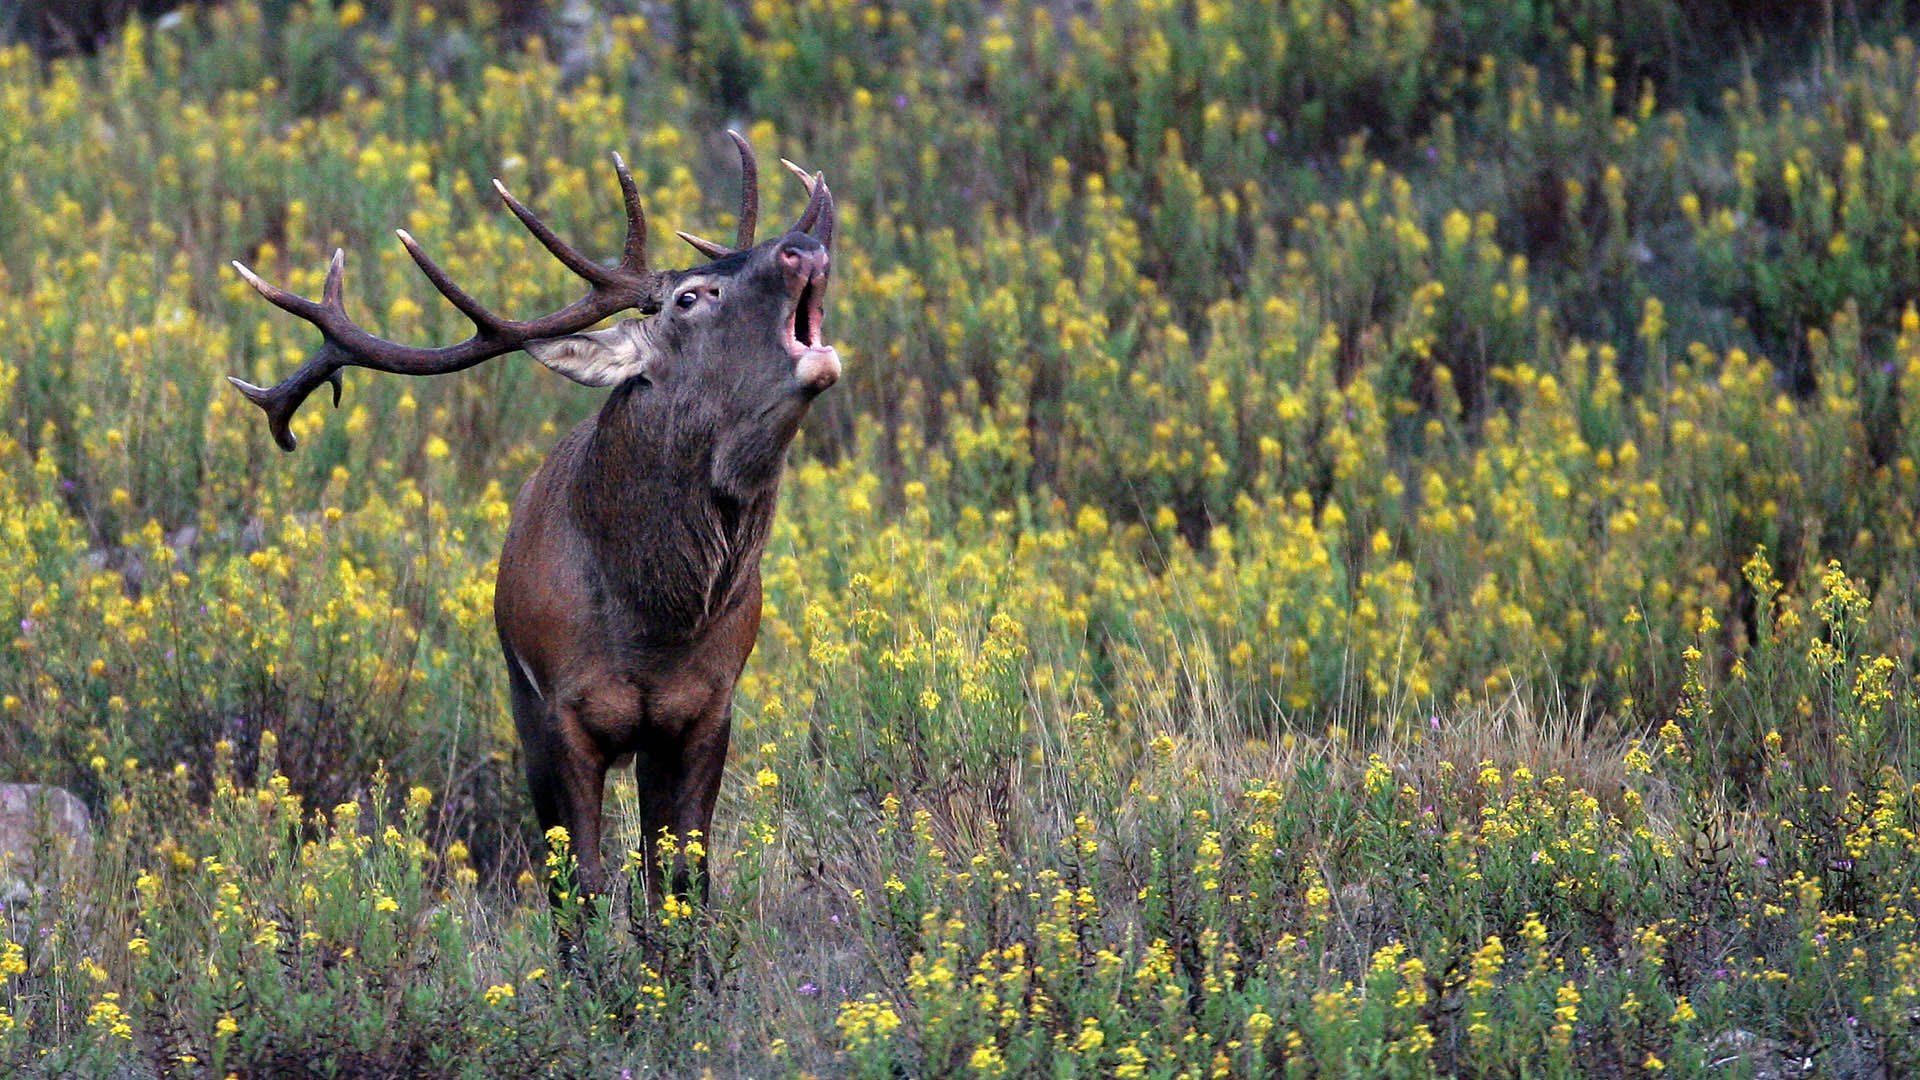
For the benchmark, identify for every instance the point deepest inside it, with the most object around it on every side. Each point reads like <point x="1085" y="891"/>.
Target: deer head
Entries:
<point x="750" y="317"/>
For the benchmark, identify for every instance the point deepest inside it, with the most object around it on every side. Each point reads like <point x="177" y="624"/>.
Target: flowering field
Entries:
<point x="1358" y="538"/>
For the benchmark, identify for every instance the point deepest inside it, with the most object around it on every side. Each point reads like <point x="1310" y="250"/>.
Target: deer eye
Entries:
<point x="687" y="299"/>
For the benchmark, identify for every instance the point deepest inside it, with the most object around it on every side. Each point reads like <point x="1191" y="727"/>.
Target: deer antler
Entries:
<point x="345" y="344"/>
<point x="749" y="206"/>
<point x="817" y="218"/>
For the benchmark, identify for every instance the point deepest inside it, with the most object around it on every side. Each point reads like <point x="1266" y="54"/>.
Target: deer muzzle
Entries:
<point x="805" y="263"/>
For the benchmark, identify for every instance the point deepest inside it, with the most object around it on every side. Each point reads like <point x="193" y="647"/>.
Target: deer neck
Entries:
<point x="677" y="531"/>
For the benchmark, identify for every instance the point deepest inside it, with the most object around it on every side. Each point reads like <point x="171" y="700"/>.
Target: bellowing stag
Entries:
<point x="629" y="587"/>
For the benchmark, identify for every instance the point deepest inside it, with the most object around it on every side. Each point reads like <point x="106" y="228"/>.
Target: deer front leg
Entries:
<point x="678" y="786"/>
<point x="586" y="782"/>
<point x="567" y="776"/>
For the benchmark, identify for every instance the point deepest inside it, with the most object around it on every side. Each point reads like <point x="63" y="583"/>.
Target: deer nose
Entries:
<point x="803" y="260"/>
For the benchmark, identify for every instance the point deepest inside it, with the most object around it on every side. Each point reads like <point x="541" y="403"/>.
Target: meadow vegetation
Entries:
<point x="1358" y="538"/>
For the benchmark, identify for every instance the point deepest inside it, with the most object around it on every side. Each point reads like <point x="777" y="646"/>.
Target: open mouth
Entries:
<point x="815" y="363"/>
<point x="806" y="313"/>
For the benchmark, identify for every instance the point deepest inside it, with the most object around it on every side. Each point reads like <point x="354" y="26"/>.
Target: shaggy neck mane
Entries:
<point x="672" y="549"/>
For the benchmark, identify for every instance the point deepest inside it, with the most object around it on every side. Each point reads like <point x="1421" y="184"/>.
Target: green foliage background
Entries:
<point x="1357" y="539"/>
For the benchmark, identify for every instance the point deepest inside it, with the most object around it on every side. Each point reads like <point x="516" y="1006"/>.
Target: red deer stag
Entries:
<point x="629" y="588"/>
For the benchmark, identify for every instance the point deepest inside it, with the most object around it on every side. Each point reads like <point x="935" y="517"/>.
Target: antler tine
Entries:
<point x="818" y="217"/>
<point x="331" y="301"/>
<point x="749" y="206"/>
<point x="704" y="246"/>
<point x="805" y="176"/>
<point x="280" y="400"/>
<point x="486" y="321"/>
<point x="823" y="230"/>
<point x="633" y="258"/>
<point x="278" y="297"/>
<point x="332" y="294"/>
<point x="816" y="205"/>
<point x="569" y="258"/>
<point x="749" y="191"/>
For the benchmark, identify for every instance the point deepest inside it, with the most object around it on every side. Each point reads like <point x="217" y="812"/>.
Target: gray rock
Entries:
<point x="1744" y="1053"/>
<point x="579" y="32"/>
<point x="44" y="836"/>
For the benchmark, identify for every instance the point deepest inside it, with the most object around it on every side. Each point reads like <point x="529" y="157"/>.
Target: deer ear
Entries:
<point x="598" y="357"/>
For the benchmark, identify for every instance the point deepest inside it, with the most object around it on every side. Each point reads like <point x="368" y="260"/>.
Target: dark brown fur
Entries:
<point x="630" y="590"/>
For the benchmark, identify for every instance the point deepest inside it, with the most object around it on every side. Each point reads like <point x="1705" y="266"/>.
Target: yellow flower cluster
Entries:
<point x="867" y="1021"/>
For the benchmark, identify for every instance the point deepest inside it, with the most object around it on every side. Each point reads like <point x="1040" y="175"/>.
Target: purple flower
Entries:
<point x="809" y="988"/>
<point x="1273" y="137"/>
<point x="68" y="485"/>
<point x="1433" y="722"/>
<point x="899" y="101"/>
<point x="1433" y="154"/>
<point x="626" y="1074"/>
<point x="1760" y="861"/>
<point x="26" y="626"/>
